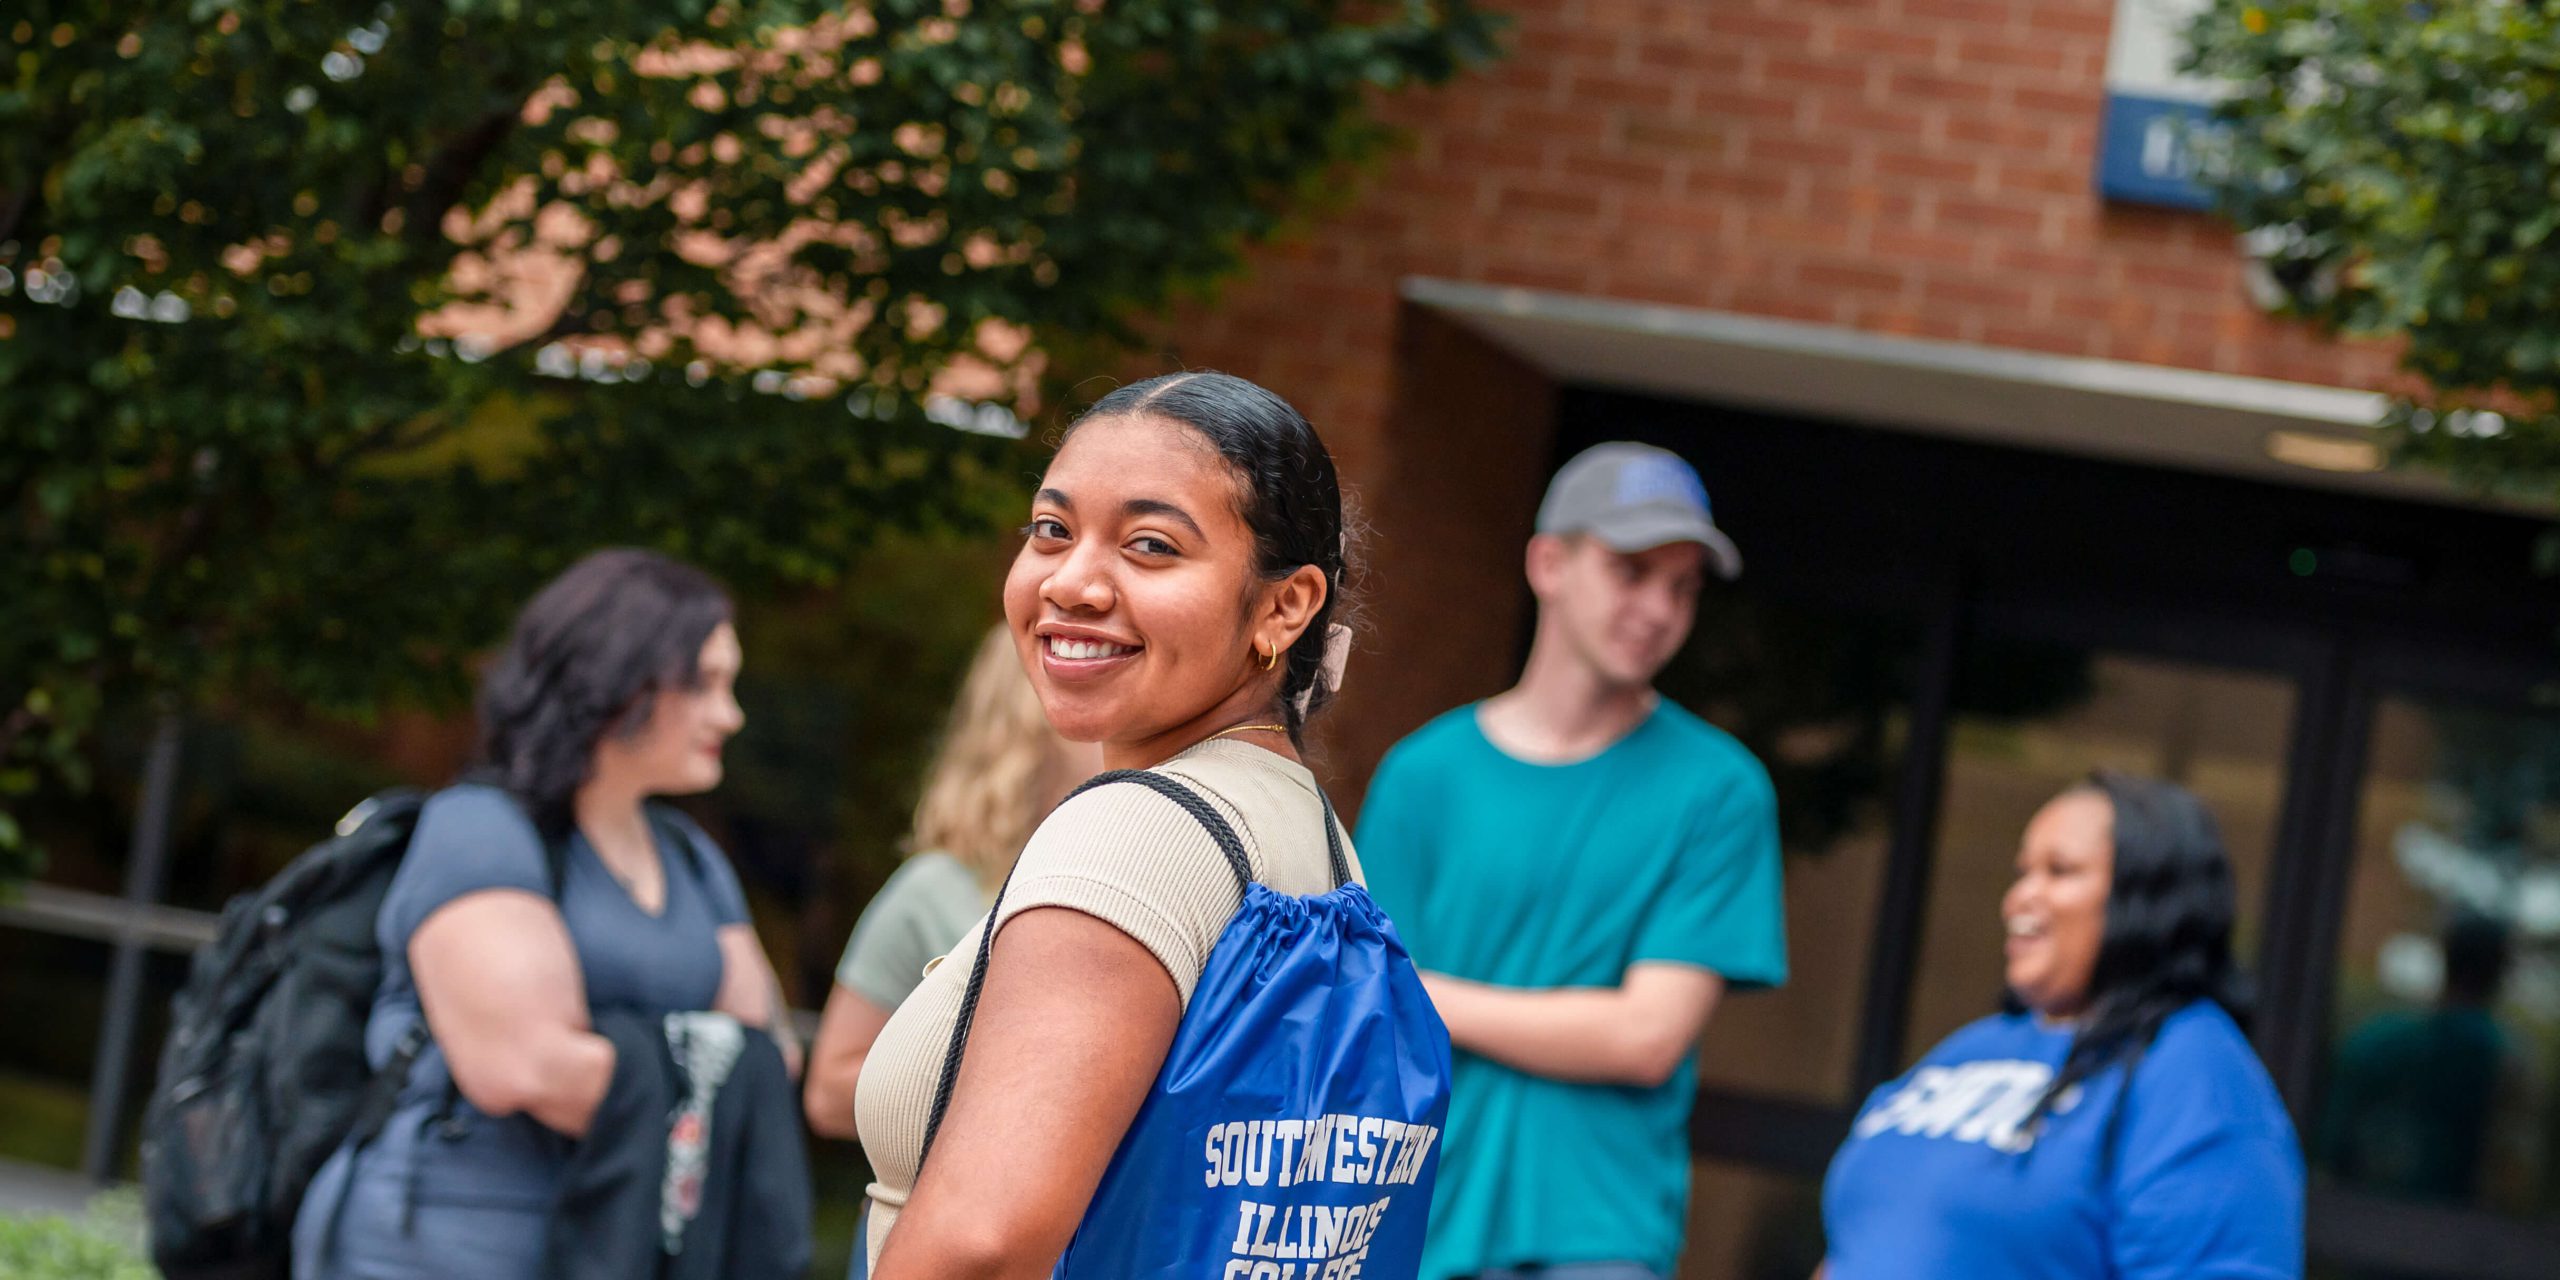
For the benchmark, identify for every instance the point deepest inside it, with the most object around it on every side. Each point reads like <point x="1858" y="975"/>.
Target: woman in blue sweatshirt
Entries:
<point x="2112" y="1120"/>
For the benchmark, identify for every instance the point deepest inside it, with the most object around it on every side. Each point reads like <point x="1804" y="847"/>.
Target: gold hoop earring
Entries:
<point x="1271" y="657"/>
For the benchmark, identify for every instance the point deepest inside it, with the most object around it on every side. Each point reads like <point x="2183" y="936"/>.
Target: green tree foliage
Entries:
<point x="2399" y="166"/>
<point x="256" y="435"/>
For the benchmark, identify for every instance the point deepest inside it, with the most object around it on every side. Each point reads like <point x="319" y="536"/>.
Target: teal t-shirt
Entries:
<point x="1663" y="847"/>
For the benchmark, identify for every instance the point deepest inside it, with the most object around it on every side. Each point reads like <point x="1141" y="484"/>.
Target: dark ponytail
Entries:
<point x="2170" y="909"/>
<point x="1289" y="496"/>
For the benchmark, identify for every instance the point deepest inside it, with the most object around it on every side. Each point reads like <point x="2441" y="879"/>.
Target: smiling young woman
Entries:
<point x="1183" y="542"/>
<point x="1177" y="584"/>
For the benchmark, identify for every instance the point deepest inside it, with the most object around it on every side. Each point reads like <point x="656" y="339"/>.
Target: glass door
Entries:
<point x="2033" y="714"/>
<point x="2434" y="1132"/>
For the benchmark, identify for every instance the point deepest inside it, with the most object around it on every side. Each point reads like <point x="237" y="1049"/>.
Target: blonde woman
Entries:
<point x="1001" y="769"/>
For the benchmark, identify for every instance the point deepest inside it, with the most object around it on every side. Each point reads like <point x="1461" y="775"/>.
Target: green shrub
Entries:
<point x="104" y="1244"/>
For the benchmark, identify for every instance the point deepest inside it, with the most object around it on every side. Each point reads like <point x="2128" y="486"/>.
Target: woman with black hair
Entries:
<point x="2112" y="1120"/>
<point x="542" y="887"/>
<point x="1175" y="599"/>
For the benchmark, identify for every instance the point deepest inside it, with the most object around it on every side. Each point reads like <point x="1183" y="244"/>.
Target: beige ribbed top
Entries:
<point x="1128" y="857"/>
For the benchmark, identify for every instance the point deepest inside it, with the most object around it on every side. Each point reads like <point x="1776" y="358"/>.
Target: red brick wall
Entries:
<point x="1904" y="166"/>
<point x="1916" y="167"/>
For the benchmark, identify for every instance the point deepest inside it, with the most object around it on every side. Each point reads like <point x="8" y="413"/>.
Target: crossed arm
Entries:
<point x="499" y="981"/>
<point x="1636" y="1033"/>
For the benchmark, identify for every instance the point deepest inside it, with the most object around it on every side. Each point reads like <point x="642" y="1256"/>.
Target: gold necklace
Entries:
<point x="1241" y="728"/>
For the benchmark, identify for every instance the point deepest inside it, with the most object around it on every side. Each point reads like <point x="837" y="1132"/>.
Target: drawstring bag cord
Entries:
<point x="1220" y="833"/>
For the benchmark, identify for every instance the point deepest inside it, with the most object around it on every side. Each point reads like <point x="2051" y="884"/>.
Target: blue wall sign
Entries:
<point x="2157" y="138"/>
<point x="2154" y="150"/>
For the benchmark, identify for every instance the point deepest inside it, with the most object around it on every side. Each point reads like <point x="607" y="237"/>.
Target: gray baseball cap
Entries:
<point x="1634" y="497"/>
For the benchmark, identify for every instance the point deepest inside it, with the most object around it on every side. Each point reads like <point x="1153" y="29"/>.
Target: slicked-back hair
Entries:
<point x="588" y="656"/>
<point x="1289" y="497"/>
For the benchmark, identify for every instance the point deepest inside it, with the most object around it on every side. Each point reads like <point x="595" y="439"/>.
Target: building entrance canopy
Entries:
<point x="2286" y="432"/>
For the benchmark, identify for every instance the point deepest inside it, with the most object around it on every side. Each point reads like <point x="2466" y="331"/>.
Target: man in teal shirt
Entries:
<point x="1582" y="870"/>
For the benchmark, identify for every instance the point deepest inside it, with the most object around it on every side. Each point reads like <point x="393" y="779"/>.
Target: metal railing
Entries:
<point x="101" y="917"/>
<point x="133" y="927"/>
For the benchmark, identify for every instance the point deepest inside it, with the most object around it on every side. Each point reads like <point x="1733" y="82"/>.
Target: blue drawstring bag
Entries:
<point x="1294" y="1132"/>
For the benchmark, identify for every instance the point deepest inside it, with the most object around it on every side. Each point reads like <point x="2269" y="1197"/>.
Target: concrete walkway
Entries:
<point x="32" y="1189"/>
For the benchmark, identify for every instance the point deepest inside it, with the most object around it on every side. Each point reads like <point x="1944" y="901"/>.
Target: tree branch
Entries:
<point x="20" y="201"/>
<point x="451" y="171"/>
<point x="387" y="438"/>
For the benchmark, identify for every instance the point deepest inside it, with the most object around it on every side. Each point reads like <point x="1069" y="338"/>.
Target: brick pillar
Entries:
<point x="1459" y="463"/>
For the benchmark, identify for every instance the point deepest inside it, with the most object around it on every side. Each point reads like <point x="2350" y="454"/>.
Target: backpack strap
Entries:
<point x="673" y="834"/>
<point x="555" y="867"/>
<point x="382" y="1092"/>
<point x="1221" y="833"/>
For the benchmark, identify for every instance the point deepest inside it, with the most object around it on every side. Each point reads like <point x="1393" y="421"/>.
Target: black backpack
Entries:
<point x="264" y="1071"/>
